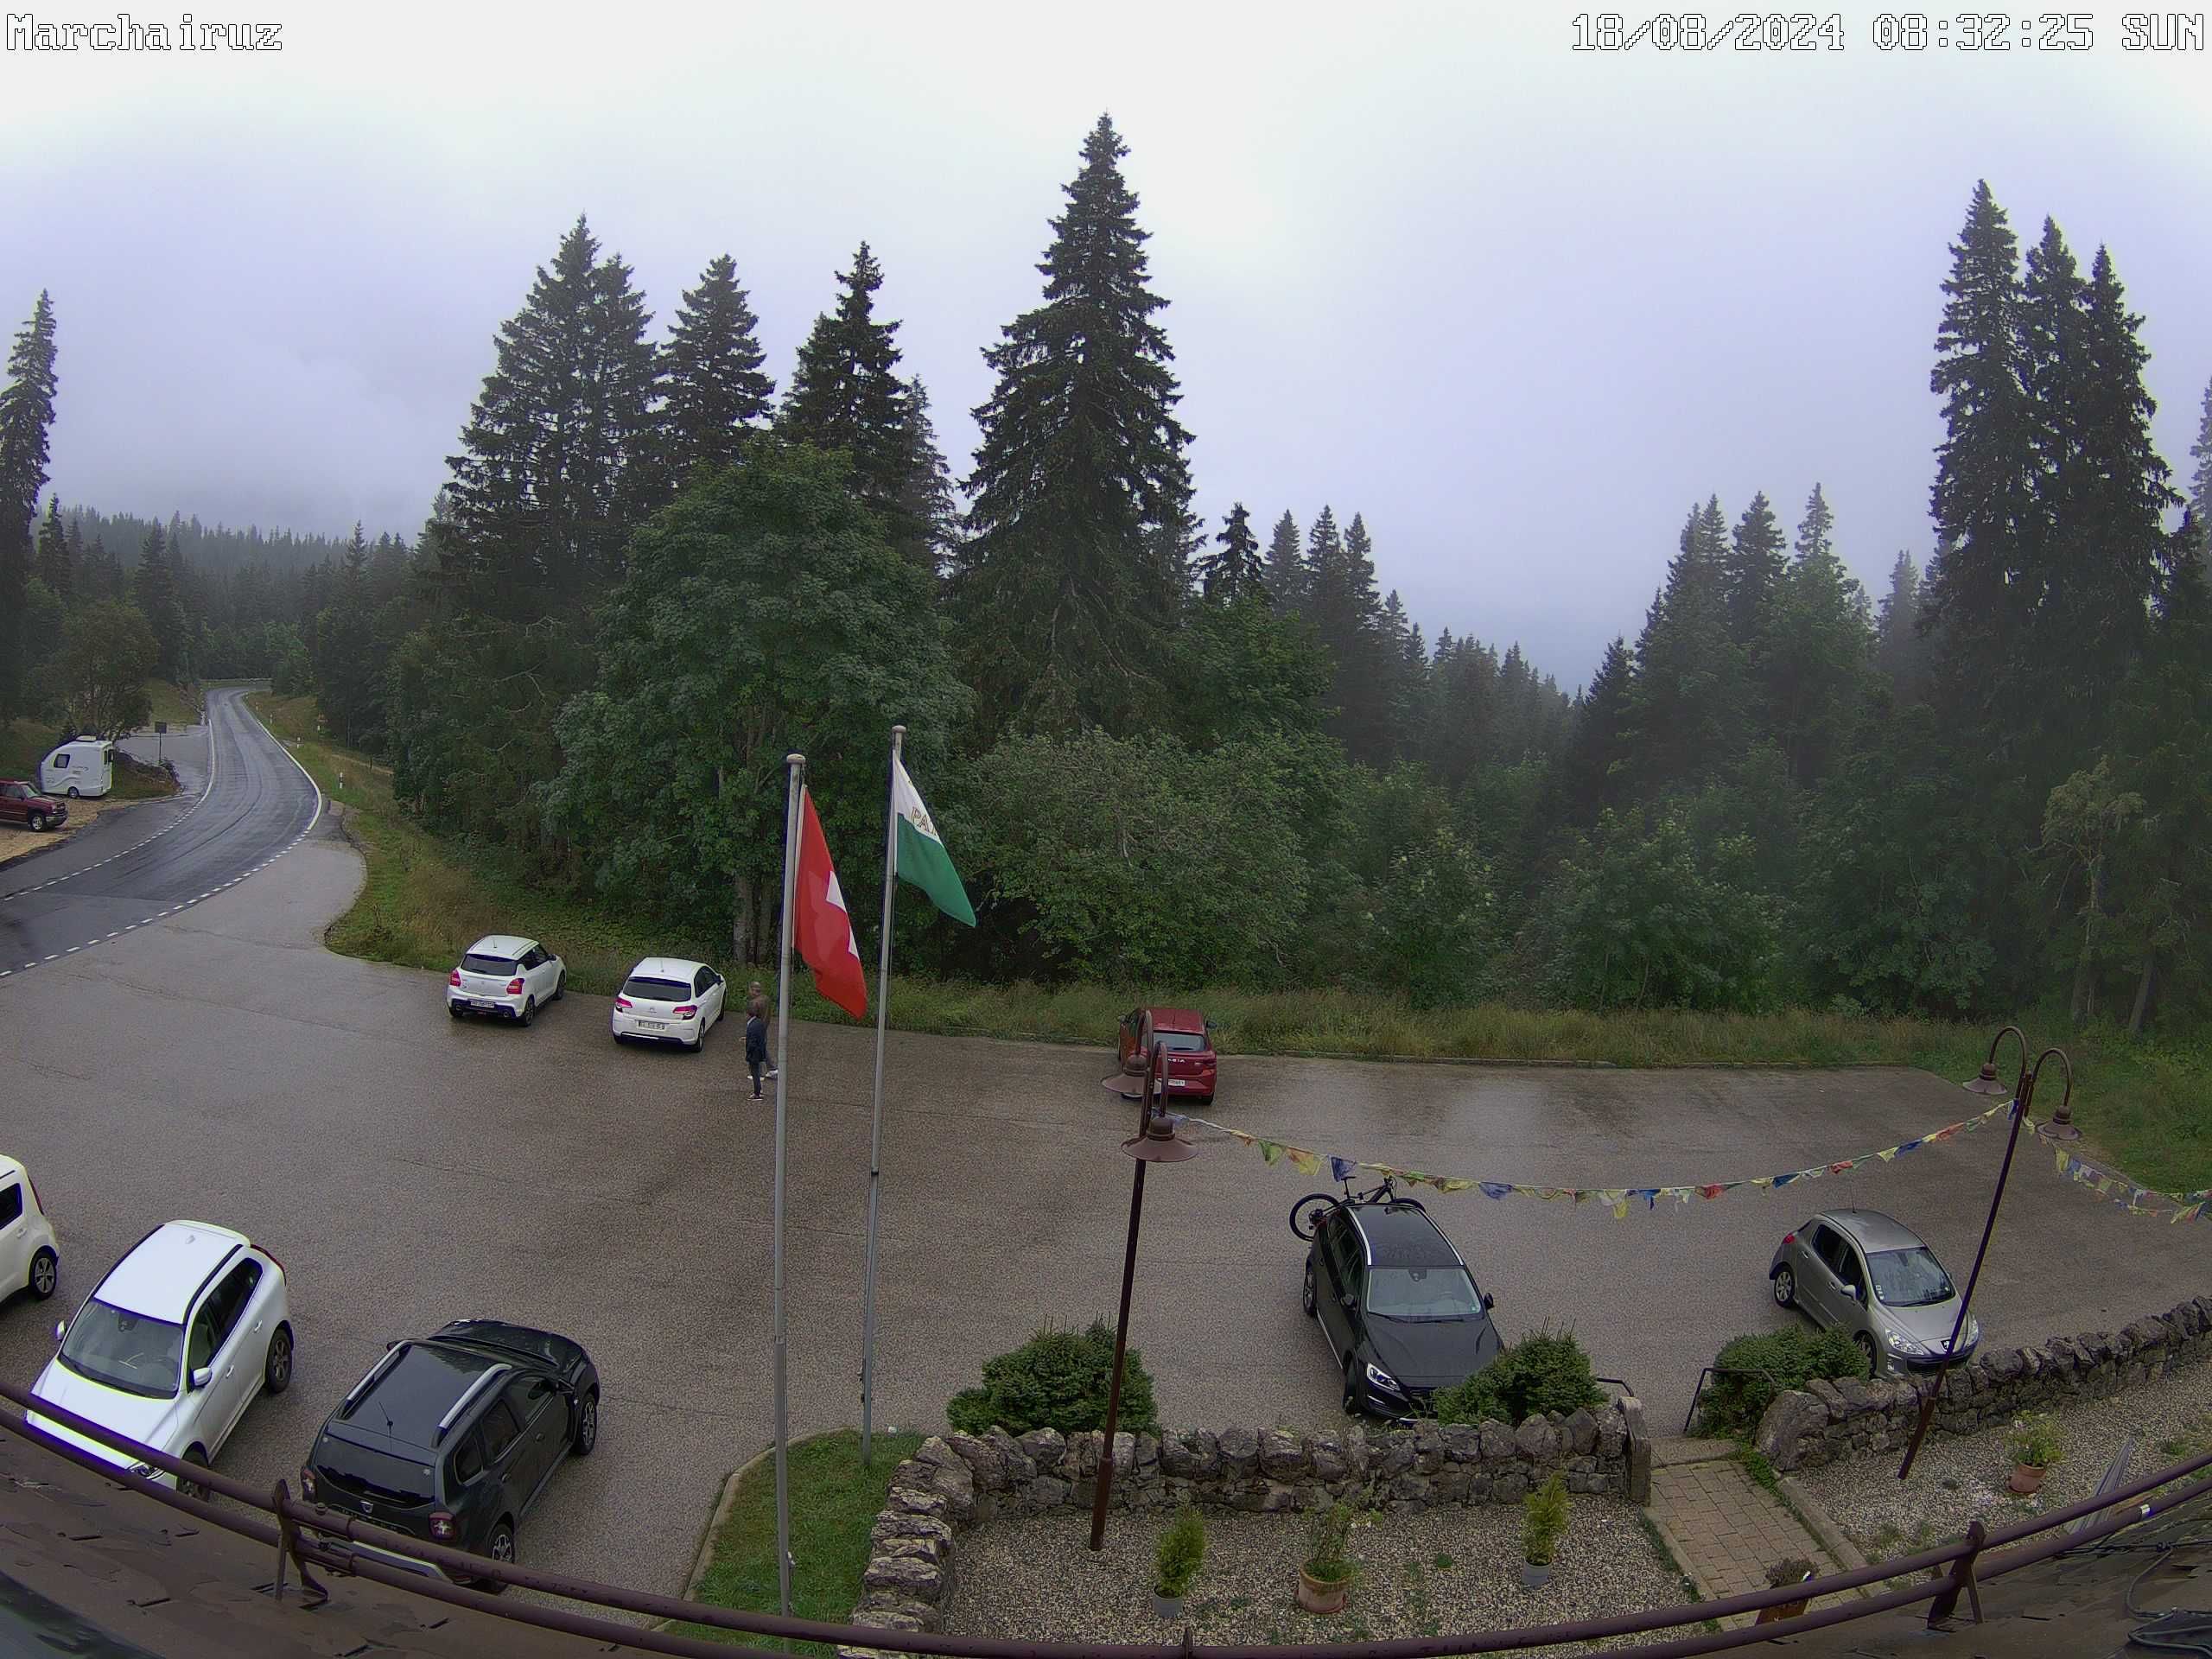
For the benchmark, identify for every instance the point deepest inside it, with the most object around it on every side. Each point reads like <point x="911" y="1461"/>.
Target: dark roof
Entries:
<point x="419" y="1389"/>
<point x="1402" y="1235"/>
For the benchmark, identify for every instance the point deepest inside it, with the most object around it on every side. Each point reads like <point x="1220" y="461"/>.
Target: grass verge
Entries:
<point x="2144" y="1108"/>
<point x="833" y="1505"/>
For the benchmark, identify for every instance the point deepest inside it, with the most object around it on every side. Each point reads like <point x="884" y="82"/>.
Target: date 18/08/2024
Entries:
<point x="1911" y="31"/>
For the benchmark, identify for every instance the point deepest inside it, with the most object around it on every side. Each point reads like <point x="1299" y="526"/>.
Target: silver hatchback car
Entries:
<point x="1868" y="1276"/>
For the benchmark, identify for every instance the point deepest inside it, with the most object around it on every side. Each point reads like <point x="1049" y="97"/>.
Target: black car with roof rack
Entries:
<point x="452" y="1437"/>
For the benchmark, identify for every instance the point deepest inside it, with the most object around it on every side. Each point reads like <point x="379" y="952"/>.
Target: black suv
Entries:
<point x="1402" y="1313"/>
<point x="452" y="1438"/>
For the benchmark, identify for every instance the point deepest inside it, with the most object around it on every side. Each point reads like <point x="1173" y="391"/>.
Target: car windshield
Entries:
<point x="500" y="966"/>
<point x="641" y="989"/>
<point x="124" y="1350"/>
<point x="1911" y="1278"/>
<point x="1181" y="1042"/>
<point x="1443" y="1293"/>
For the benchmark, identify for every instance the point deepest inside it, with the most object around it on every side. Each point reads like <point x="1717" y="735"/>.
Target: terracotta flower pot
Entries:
<point x="2027" y="1479"/>
<point x="1781" y="1611"/>
<point x="1322" y="1595"/>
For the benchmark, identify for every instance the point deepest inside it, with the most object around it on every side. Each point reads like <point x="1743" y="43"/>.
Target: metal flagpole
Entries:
<point x="798" y="765"/>
<point x="875" y="1119"/>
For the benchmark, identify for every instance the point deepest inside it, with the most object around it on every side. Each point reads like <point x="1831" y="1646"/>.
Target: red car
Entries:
<point x="22" y="804"/>
<point x="1188" y="1038"/>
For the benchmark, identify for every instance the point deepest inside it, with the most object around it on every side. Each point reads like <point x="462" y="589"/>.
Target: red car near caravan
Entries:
<point x="1188" y="1038"/>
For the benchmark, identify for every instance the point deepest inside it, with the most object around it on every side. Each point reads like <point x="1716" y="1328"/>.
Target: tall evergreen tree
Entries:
<point x="1595" y="770"/>
<point x="1687" y="714"/>
<point x="717" y="392"/>
<point x="1900" y="643"/>
<point x="927" y="526"/>
<point x="2200" y="480"/>
<point x="1286" y="570"/>
<point x="1815" y="648"/>
<point x="154" y="590"/>
<point x="558" y="462"/>
<point x="1066" y="587"/>
<point x="1753" y="570"/>
<point x="846" y="393"/>
<point x="55" y="568"/>
<point x="26" y="417"/>
<point x="1972" y="596"/>
<point x="1233" y="573"/>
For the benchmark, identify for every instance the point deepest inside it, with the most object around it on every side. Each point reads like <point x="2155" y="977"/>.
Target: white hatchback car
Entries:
<point x="508" y="978"/>
<point x="668" y="999"/>
<point x="172" y="1346"/>
<point x="27" y="1258"/>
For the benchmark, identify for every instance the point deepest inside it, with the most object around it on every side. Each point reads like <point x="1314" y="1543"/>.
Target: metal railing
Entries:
<point x="306" y="1536"/>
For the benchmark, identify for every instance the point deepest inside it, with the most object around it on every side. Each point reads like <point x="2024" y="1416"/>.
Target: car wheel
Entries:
<point x="1867" y="1351"/>
<point x="198" y="1460"/>
<point x="529" y="1010"/>
<point x="455" y="1009"/>
<point x="1354" y="1390"/>
<point x="73" y="795"/>
<point x="561" y="986"/>
<point x="276" y="1370"/>
<point x="1309" y="1297"/>
<point x="1205" y="1099"/>
<point x="699" y="1045"/>
<point x="500" y="1546"/>
<point x="1785" y="1287"/>
<point x="587" y="1435"/>
<point x="38" y="822"/>
<point x="46" y="1273"/>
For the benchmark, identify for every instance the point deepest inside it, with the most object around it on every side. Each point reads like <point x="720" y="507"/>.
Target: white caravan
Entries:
<point x="84" y="767"/>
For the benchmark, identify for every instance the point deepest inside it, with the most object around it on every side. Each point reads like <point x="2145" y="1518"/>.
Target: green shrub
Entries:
<point x="1328" y="1557"/>
<point x="2034" y="1440"/>
<point x="1543" y="1519"/>
<point x="1057" y="1379"/>
<point x="1182" y="1551"/>
<point x="1544" y="1371"/>
<point x="1752" y="1370"/>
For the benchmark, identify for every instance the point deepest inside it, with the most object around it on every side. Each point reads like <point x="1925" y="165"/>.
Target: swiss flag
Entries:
<point x="824" y="931"/>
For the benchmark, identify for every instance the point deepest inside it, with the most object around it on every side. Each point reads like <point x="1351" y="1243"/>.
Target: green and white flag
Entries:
<point x="922" y="858"/>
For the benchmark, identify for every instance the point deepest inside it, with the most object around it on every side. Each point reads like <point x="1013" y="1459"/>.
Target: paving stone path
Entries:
<point x="1723" y="1527"/>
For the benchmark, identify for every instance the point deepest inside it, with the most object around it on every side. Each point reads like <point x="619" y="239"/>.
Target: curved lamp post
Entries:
<point x="1154" y="1142"/>
<point x="2061" y="1128"/>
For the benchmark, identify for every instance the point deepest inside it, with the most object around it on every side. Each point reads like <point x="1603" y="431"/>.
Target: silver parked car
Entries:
<point x="1829" y="1266"/>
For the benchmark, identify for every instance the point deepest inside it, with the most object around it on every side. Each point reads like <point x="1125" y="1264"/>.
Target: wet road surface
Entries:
<point x="409" y="1170"/>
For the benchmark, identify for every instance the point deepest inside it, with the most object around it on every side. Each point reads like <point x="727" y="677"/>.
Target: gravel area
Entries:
<point x="1454" y="1570"/>
<point x="1957" y="1477"/>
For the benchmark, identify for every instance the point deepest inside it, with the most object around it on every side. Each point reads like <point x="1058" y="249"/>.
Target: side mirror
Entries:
<point x="391" y="1343"/>
<point x="1852" y="1291"/>
<point x="1489" y="1302"/>
<point x="203" y="1376"/>
<point x="1351" y="1304"/>
<point x="60" y="1330"/>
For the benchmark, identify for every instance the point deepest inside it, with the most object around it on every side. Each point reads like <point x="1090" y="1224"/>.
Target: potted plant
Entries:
<point x="2034" y="1447"/>
<point x="1794" y="1569"/>
<point x="1543" y="1518"/>
<point x="1324" y="1581"/>
<point x="1182" y="1549"/>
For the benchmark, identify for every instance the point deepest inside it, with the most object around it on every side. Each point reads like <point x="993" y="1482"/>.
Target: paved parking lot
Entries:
<point x="410" y="1170"/>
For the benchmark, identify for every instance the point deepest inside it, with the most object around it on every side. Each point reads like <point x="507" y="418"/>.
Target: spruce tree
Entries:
<point x="846" y="393"/>
<point x="26" y="417"/>
<point x="2200" y="481"/>
<point x="1973" y="597"/>
<point x="558" y="462"/>
<point x="1753" y="569"/>
<point x="1081" y="486"/>
<point x="55" y="566"/>
<point x="1815" y="647"/>
<point x="716" y="393"/>
<point x="154" y="590"/>
<point x="1899" y="642"/>
<point x="926" y="527"/>
<point x="1285" y="580"/>
<point x="1688" y="714"/>
<point x="1595" y="772"/>
<point x="1233" y="574"/>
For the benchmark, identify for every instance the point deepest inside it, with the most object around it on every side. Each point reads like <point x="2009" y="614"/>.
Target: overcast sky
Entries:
<point x="1518" y="304"/>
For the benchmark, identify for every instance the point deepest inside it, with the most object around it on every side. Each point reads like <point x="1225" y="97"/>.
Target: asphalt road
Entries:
<point x="409" y="1169"/>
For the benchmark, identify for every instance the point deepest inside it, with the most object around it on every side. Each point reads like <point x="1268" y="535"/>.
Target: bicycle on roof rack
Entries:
<point x="1306" y="1215"/>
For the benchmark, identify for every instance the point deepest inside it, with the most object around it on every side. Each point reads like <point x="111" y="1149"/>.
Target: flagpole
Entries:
<point x="876" y="1119"/>
<point x="797" y="763"/>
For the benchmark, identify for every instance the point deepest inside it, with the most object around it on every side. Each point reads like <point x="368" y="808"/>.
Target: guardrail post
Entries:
<point x="1947" y="1599"/>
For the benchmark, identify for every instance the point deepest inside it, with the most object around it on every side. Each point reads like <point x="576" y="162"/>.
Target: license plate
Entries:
<point x="652" y="1025"/>
<point x="488" y="1008"/>
<point x="1179" y="1083"/>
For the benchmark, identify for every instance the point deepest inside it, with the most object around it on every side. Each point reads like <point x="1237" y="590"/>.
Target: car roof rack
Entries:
<point x="490" y="1374"/>
<point x="368" y="1380"/>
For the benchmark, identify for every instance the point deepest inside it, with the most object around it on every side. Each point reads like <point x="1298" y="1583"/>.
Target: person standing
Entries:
<point x="756" y="1044"/>
<point x="756" y="1007"/>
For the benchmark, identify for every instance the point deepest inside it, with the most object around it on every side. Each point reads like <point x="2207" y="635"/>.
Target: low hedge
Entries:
<point x="1751" y="1369"/>
<point x="1544" y="1371"/>
<point x="1057" y="1379"/>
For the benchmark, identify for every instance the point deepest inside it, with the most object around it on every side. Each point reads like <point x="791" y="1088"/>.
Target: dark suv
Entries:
<point x="1402" y="1314"/>
<point x="452" y="1438"/>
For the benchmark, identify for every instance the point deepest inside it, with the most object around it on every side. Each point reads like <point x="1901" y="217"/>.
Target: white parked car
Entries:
<point x="668" y="999"/>
<point x="27" y="1258"/>
<point x="173" y="1345"/>
<point x="507" y="977"/>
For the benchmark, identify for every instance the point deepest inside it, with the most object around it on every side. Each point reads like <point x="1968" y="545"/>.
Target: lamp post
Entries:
<point x="2023" y="1094"/>
<point x="1154" y="1142"/>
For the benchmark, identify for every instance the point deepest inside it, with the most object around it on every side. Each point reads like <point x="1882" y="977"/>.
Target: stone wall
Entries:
<point x="956" y="1480"/>
<point x="1828" y="1422"/>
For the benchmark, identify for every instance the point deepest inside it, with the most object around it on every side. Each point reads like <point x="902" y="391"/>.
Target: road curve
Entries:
<point x="249" y="804"/>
